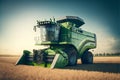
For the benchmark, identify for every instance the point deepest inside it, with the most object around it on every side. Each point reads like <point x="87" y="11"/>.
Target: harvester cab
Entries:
<point x="67" y="43"/>
<point x="49" y="31"/>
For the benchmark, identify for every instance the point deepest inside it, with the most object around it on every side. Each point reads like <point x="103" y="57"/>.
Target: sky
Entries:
<point x="17" y="18"/>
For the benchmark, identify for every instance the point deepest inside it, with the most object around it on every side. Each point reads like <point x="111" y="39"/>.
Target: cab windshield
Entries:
<point x="49" y="32"/>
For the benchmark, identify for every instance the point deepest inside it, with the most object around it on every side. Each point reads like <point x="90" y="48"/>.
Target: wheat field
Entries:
<point x="104" y="68"/>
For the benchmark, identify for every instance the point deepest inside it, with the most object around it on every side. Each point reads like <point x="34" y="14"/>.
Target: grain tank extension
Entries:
<point x="66" y="40"/>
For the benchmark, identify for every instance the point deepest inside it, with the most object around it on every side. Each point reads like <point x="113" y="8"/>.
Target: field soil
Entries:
<point x="104" y="68"/>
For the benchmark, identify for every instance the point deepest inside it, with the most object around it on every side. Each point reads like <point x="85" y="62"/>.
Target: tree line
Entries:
<point x="107" y="54"/>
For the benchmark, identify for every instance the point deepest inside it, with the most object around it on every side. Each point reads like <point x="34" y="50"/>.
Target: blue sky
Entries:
<point x="17" y="18"/>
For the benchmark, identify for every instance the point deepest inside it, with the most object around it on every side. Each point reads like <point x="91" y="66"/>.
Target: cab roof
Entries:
<point x="73" y="19"/>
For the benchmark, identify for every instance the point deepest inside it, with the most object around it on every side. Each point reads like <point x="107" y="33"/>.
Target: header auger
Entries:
<point x="67" y="43"/>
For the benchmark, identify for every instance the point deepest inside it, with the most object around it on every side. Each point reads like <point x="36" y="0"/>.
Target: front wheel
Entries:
<point x="72" y="56"/>
<point x="72" y="59"/>
<point x="87" y="58"/>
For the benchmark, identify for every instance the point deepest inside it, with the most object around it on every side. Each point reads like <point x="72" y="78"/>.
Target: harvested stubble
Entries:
<point x="9" y="71"/>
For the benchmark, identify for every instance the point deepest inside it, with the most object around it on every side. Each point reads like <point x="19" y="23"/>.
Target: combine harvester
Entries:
<point x="66" y="40"/>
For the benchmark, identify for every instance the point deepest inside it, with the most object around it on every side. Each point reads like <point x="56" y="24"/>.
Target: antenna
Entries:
<point x="53" y="19"/>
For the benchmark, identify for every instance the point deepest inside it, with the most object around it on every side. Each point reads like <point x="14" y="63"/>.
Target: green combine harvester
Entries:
<point x="66" y="40"/>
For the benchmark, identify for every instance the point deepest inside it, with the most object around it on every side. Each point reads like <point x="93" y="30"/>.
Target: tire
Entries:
<point x="72" y="56"/>
<point x="87" y="58"/>
<point x="72" y="59"/>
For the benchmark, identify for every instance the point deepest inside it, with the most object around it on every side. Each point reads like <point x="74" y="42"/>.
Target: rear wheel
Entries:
<point x="87" y="58"/>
